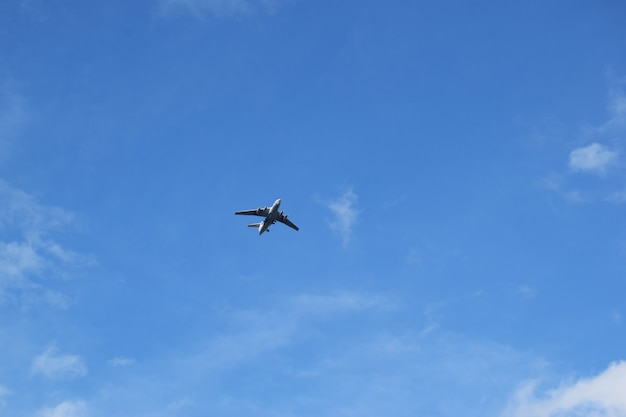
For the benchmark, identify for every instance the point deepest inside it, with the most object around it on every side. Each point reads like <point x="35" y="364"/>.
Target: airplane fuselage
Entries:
<point x="271" y="217"/>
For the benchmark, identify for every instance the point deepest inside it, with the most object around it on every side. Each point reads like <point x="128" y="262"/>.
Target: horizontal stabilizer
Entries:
<point x="254" y="225"/>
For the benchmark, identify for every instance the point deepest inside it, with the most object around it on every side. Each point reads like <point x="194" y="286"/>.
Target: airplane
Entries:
<point x="271" y="214"/>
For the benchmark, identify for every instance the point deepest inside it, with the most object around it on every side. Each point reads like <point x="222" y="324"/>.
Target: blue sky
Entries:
<point x="457" y="171"/>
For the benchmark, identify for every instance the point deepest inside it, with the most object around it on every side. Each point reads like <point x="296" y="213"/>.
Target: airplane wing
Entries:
<point x="283" y="219"/>
<point x="261" y="211"/>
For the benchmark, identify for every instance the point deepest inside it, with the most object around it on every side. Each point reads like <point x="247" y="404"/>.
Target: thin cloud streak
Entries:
<point x="338" y="302"/>
<point x="200" y="9"/>
<point x="120" y="362"/>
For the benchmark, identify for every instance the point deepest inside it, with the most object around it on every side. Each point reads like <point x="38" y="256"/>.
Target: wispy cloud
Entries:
<point x="617" y="317"/>
<point x="254" y="333"/>
<point x="65" y="409"/>
<point x="328" y="353"/>
<point x="4" y="392"/>
<point x="432" y="315"/>
<point x="338" y="302"/>
<point x="54" y="365"/>
<point x="592" y="158"/>
<point x="28" y="251"/>
<point x="179" y="405"/>
<point x="13" y="116"/>
<point x="617" y="197"/>
<point x="616" y="125"/>
<point x="601" y="395"/>
<point x="526" y="291"/>
<point x="345" y="215"/>
<point x="603" y="155"/>
<point x="257" y="332"/>
<point x="19" y="258"/>
<point x="120" y="362"/>
<point x="20" y="210"/>
<point x="618" y="108"/>
<point x="218" y="8"/>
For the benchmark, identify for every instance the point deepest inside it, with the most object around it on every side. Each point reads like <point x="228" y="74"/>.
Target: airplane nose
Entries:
<point x="278" y="201"/>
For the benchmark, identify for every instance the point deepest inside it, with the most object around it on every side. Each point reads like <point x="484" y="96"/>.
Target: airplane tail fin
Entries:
<point x="254" y="225"/>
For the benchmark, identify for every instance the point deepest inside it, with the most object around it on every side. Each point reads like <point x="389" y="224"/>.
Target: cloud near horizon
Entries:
<point x="603" y="395"/>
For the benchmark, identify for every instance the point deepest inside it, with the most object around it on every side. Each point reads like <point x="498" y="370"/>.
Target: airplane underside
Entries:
<point x="271" y="214"/>
<point x="259" y="226"/>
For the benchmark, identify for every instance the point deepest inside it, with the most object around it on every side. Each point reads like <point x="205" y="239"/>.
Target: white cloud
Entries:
<point x="601" y="396"/>
<point x="19" y="258"/>
<point x="53" y="365"/>
<point x="345" y="215"/>
<point x="592" y="158"/>
<point x="602" y="153"/>
<point x="21" y="212"/>
<point x="217" y="8"/>
<point x="65" y="409"/>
